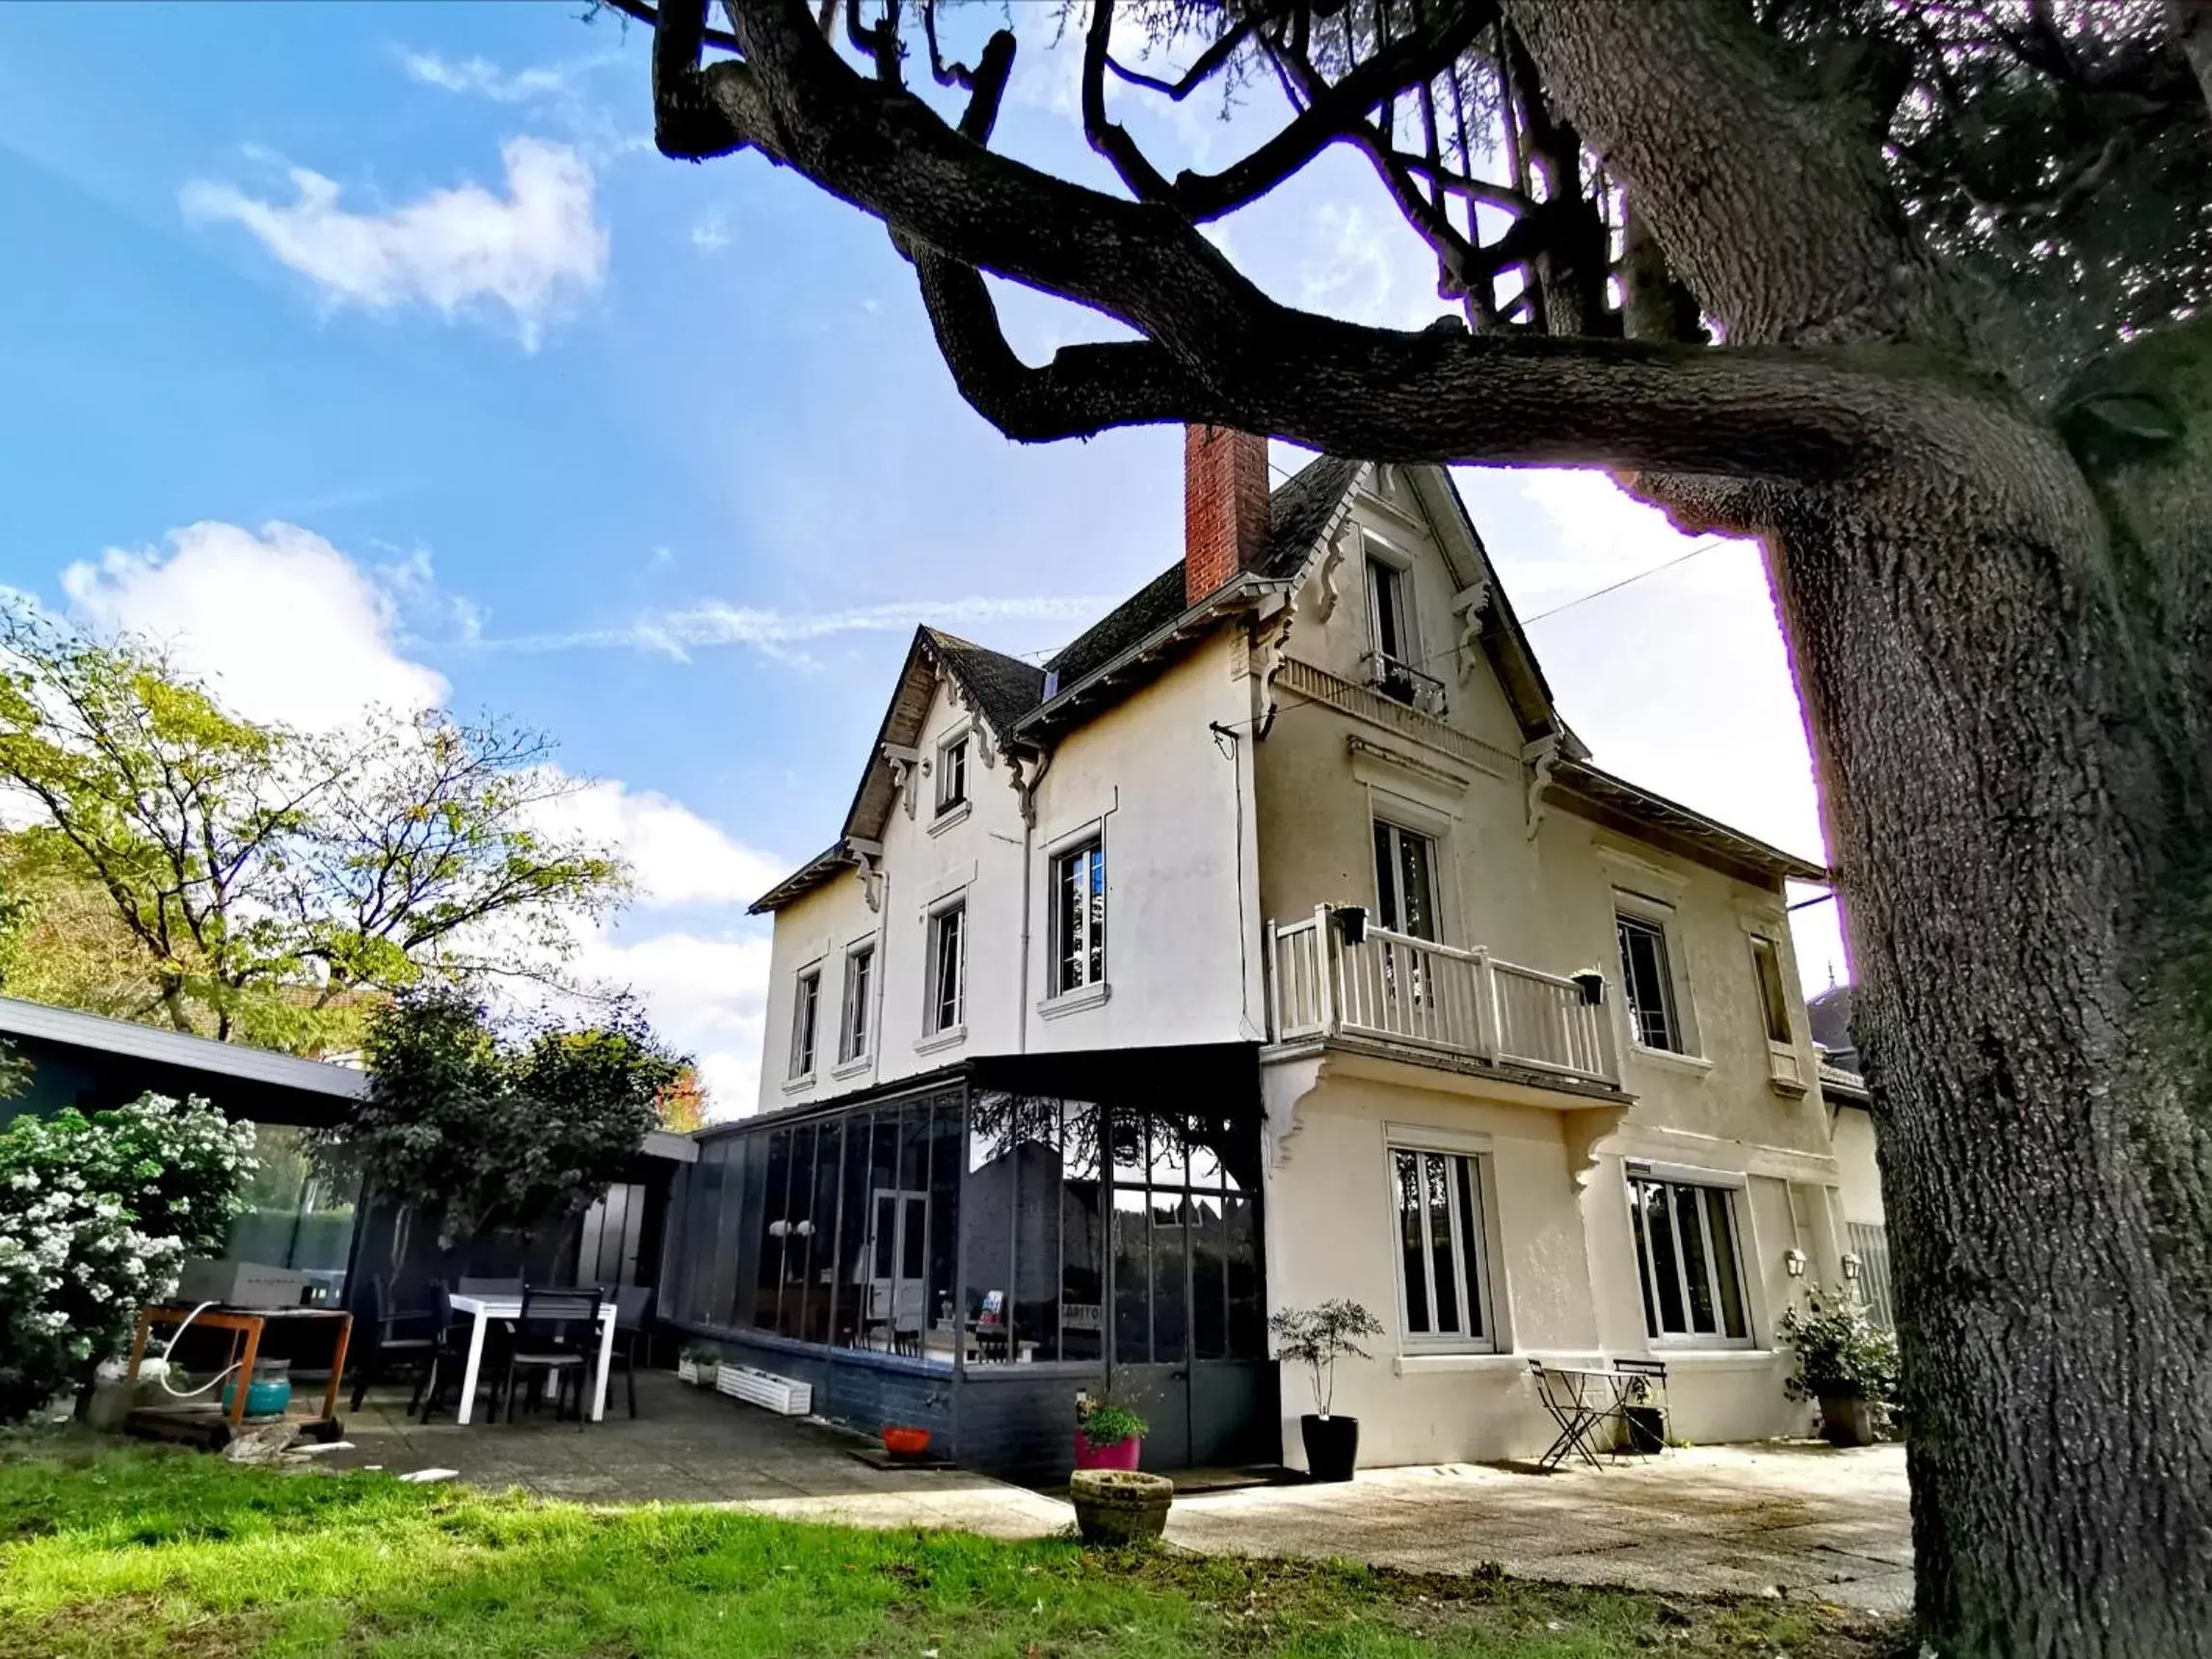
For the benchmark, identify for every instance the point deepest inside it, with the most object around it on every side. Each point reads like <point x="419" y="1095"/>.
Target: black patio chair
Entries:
<point x="386" y="1343"/>
<point x="634" y="1316"/>
<point x="1644" y="1391"/>
<point x="556" y="1336"/>
<point x="449" y="1358"/>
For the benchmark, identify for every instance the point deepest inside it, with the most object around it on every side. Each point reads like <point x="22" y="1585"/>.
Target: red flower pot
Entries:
<point x="906" y="1442"/>
<point x="1120" y="1455"/>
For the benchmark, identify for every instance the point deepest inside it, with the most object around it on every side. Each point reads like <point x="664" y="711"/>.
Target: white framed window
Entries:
<point x="1688" y="1258"/>
<point x="1405" y="881"/>
<point x="1390" y="611"/>
<point x="1441" y="1247"/>
<point x="805" y="1021"/>
<point x="1647" y="980"/>
<point x="1079" y="917"/>
<point x="947" y="977"/>
<point x="855" y="1020"/>
<point x="1773" y="999"/>
<point x="952" y="773"/>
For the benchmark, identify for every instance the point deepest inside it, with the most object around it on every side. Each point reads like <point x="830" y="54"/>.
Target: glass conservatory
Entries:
<point x="969" y="1253"/>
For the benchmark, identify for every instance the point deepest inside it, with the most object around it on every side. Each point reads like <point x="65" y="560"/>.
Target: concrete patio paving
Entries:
<point x="1724" y="1519"/>
<point x="693" y="1446"/>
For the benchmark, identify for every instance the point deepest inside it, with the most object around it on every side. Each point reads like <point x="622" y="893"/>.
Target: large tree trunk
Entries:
<point x="2014" y="791"/>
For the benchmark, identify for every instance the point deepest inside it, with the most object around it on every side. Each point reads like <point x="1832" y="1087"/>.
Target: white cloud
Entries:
<point x="529" y="251"/>
<point x="281" y="623"/>
<point x="678" y="856"/>
<point x="712" y="233"/>
<point x="781" y="633"/>
<point x="480" y="75"/>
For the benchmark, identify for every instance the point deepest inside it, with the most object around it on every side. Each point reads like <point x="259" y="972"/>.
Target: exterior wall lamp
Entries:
<point x="1793" y="1261"/>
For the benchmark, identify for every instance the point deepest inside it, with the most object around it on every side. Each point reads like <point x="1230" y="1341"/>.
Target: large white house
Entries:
<point x="1277" y="941"/>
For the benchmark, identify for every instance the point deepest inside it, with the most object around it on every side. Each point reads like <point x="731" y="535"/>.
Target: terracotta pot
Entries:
<point x="1119" y="1455"/>
<point x="906" y="1442"/>
<point x="1116" y="1507"/>
<point x="1332" y="1446"/>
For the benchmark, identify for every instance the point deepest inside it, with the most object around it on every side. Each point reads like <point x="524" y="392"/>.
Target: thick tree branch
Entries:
<point x="1436" y="395"/>
<point x="1690" y="105"/>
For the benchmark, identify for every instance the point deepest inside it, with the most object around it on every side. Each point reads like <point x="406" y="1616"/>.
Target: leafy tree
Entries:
<point x="259" y="883"/>
<point x="684" y="1103"/>
<point x="497" y="1134"/>
<point x="1911" y="291"/>
<point x="96" y="1215"/>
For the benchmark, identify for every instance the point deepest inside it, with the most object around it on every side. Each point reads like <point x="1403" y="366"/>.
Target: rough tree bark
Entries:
<point x="1998" y="622"/>
<point x="2000" y="652"/>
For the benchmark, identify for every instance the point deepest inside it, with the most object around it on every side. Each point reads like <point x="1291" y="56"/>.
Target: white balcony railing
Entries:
<point x="1396" y="989"/>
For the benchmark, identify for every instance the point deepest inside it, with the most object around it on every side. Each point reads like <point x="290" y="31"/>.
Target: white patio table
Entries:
<point x="485" y="1309"/>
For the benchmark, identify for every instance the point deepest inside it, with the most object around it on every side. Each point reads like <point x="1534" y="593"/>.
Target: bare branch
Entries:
<point x="1109" y="138"/>
<point x="1213" y="57"/>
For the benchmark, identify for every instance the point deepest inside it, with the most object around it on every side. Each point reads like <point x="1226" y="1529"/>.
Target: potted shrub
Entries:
<point x="697" y="1365"/>
<point x="1108" y="1434"/>
<point x="1119" y="1506"/>
<point x="1845" y="1361"/>
<point x="1317" y="1338"/>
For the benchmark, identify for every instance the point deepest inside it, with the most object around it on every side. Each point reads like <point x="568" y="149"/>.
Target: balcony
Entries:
<point x="1403" y="683"/>
<point x="1399" y="992"/>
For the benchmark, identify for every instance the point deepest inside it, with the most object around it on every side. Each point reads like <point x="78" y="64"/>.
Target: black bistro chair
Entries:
<point x="557" y="1336"/>
<point x="386" y="1344"/>
<point x="449" y="1357"/>
<point x="632" y="1322"/>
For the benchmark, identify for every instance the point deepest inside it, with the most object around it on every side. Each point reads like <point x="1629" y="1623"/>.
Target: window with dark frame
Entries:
<point x="947" y="968"/>
<point x="1648" y="982"/>
<point x="859" y="1000"/>
<point x="1687" y="1260"/>
<point x="1405" y="881"/>
<point x="952" y="775"/>
<point x="806" y="1018"/>
<point x="1079" y="917"/>
<point x="1442" y="1257"/>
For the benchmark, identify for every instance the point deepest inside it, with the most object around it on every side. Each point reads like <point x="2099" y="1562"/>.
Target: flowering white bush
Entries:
<point x="96" y="1215"/>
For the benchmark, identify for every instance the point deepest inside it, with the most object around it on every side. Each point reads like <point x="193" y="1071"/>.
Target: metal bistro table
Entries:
<point x="1577" y="1400"/>
<point x="485" y="1309"/>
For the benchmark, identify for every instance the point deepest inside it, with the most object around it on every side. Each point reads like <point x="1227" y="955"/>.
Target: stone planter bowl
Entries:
<point x="1116" y="1507"/>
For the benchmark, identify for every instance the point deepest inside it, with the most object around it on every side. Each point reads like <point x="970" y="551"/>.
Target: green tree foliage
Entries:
<point x="248" y="881"/>
<point x="496" y="1133"/>
<point x="95" y="1215"/>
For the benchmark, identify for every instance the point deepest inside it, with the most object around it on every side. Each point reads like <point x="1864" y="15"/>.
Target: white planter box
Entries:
<point x="778" y="1394"/>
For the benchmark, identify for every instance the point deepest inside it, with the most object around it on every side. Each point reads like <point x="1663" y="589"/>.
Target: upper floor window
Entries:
<point x="1079" y="917"/>
<point x="1648" y="982"/>
<point x="1687" y="1253"/>
<point x="1441" y="1247"/>
<point x="947" y="968"/>
<point x="1390" y="616"/>
<point x="860" y="998"/>
<point x="952" y="774"/>
<point x="806" y="1022"/>
<point x="1404" y="881"/>
<point x="1773" y="999"/>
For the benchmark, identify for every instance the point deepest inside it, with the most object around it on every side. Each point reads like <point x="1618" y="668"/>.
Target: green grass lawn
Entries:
<point x="119" y="1552"/>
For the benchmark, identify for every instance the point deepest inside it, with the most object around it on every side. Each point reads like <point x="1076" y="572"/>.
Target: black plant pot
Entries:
<point x="1645" y="1430"/>
<point x="1332" y="1446"/>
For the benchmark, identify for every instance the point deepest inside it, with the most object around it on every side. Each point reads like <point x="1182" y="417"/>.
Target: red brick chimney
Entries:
<point x="1224" y="507"/>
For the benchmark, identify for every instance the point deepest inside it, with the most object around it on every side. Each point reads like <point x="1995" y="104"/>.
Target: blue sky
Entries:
<point x="371" y="350"/>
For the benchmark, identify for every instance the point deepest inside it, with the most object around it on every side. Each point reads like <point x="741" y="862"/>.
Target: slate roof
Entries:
<point x="1005" y="687"/>
<point x="1151" y="607"/>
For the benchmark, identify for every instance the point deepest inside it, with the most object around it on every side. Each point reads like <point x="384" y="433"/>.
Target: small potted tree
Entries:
<point x="1845" y="1361"/>
<point x="1108" y="1434"/>
<point x="1317" y="1338"/>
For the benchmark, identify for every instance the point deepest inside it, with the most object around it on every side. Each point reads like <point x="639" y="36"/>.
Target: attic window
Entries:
<point x="952" y="774"/>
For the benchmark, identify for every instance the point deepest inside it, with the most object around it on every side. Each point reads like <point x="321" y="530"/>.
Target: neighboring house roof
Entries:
<point x="1828" y="1014"/>
<point x="1028" y="707"/>
<point x="1845" y="1088"/>
<point x="179" y="1049"/>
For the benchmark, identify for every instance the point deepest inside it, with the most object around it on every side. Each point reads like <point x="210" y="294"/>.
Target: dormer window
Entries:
<point x="952" y="774"/>
<point x="1387" y="611"/>
<point x="1394" y="655"/>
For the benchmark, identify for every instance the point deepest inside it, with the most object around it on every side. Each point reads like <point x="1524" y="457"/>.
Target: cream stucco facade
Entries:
<point x="1274" y="764"/>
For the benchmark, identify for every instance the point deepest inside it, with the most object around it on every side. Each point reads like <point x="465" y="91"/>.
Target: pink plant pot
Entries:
<point x="1121" y="1455"/>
